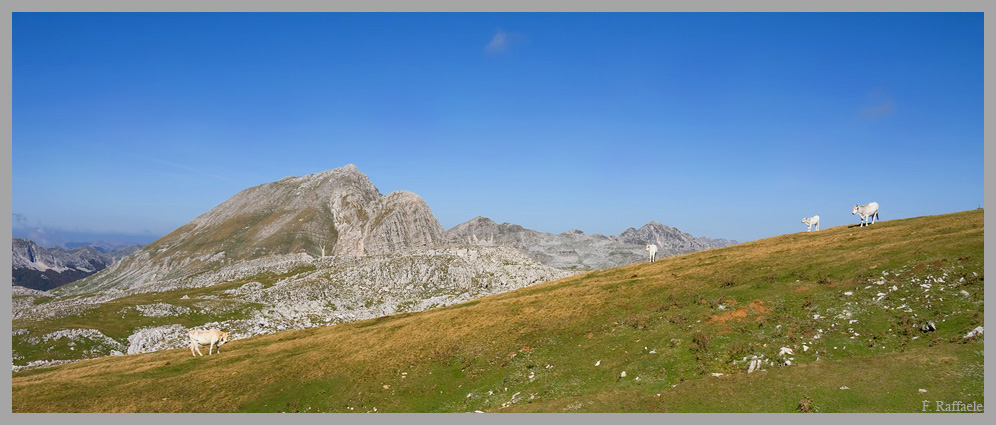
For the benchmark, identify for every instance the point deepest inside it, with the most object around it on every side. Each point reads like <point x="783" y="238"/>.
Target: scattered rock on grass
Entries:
<point x="755" y="364"/>
<point x="974" y="332"/>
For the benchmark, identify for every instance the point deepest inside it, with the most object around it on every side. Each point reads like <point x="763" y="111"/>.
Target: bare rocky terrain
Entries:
<point x="310" y="291"/>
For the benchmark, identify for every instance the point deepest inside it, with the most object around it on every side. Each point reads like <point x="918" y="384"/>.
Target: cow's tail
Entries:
<point x="876" y="216"/>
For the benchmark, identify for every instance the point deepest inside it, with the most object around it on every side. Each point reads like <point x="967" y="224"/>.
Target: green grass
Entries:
<point x="671" y="323"/>
<point x="118" y="318"/>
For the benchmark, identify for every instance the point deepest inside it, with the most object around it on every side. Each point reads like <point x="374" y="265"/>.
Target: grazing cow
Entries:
<point x="811" y="221"/>
<point x="652" y="249"/>
<point x="211" y="337"/>
<point x="866" y="211"/>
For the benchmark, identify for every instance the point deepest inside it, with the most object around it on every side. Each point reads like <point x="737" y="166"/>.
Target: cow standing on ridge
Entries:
<point x="652" y="249"/>
<point x="811" y="221"/>
<point x="866" y="211"/>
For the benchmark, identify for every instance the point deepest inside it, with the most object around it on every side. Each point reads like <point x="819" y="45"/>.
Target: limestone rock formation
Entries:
<point x="337" y="212"/>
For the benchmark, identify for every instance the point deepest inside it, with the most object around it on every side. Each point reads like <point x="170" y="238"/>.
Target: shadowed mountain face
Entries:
<point x="37" y="267"/>
<point x="337" y="212"/>
<point x="575" y="250"/>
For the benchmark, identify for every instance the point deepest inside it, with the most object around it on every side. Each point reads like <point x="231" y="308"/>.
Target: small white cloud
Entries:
<point x="879" y="104"/>
<point x="498" y="44"/>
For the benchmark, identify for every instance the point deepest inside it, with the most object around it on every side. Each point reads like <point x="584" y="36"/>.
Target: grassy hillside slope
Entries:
<point x="848" y="301"/>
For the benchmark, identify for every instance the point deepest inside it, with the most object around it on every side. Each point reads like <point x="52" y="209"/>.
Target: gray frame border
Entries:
<point x="478" y="6"/>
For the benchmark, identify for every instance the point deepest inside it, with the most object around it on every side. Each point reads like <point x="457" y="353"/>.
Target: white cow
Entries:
<point x="211" y="337"/>
<point x="811" y="221"/>
<point x="866" y="211"/>
<point x="652" y="249"/>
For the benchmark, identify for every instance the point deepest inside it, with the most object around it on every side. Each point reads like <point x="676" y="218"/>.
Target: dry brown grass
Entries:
<point x="483" y="335"/>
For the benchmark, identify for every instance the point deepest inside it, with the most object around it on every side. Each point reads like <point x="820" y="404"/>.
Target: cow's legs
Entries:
<point x="210" y="347"/>
<point x="198" y="348"/>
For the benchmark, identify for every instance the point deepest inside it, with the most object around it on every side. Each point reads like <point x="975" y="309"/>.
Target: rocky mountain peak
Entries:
<point x="475" y="225"/>
<point x="338" y="212"/>
<point x="482" y="220"/>
<point x="670" y="237"/>
<point x="573" y="232"/>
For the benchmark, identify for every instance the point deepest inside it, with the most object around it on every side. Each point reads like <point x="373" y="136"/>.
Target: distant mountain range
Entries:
<point x="106" y="247"/>
<point x="41" y="268"/>
<point x="340" y="213"/>
<point x="575" y="250"/>
<point x="69" y="239"/>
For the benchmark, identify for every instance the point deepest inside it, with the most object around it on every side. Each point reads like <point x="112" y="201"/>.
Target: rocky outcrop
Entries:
<point x="157" y="338"/>
<point x="402" y="221"/>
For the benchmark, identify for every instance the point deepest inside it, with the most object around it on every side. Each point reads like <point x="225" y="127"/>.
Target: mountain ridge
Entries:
<point x="340" y="212"/>
<point x="36" y="267"/>
<point x="576" y="250"/>
<point x="337" y="212"/>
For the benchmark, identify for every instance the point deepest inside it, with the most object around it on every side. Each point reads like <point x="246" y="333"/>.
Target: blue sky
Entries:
<point x="732" y="125"/>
